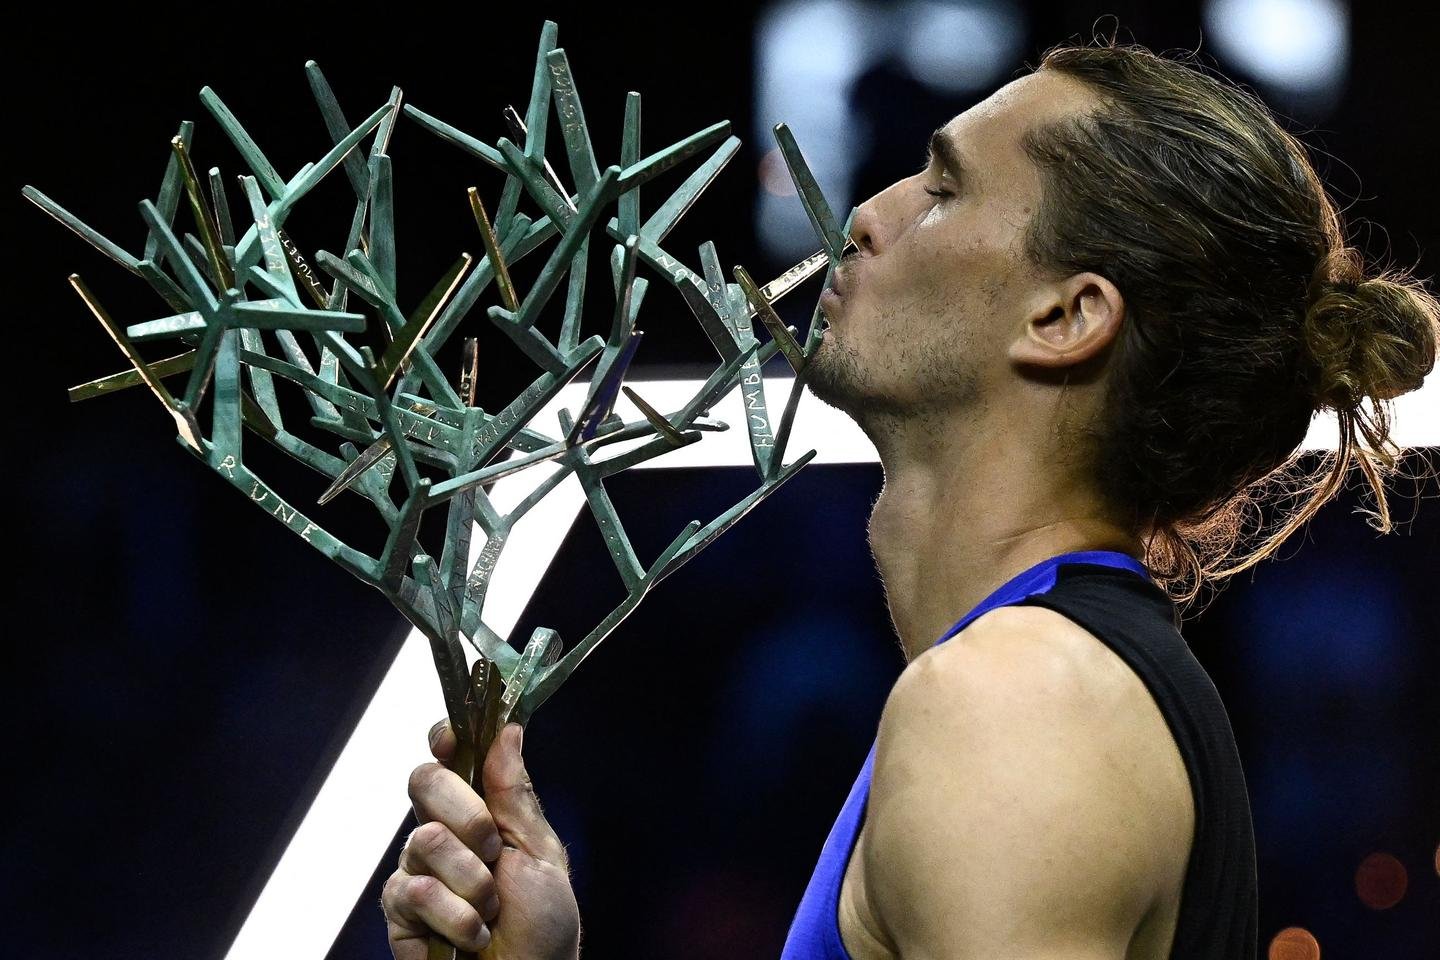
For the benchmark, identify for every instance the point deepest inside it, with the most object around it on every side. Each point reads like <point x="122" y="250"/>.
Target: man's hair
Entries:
<point x="1246" y="311"/>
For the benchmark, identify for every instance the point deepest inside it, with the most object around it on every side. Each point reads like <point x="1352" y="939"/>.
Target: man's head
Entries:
<point x="944" y="307"/>
<point x="1139" y="247"/>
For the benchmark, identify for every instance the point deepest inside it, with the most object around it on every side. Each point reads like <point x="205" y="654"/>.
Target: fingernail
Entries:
<point x="436" y="732"/>
<point x="492" y="907"/>
<point x="482" y="939"/>
<point x="491" y="848"/>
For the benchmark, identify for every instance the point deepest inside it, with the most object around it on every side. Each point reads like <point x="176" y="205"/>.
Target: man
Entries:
<point x="1080" y="337"/>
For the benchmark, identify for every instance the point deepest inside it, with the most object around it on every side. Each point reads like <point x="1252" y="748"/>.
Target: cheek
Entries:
<point x="937" y="270"/>
<point x="952" y="262"/>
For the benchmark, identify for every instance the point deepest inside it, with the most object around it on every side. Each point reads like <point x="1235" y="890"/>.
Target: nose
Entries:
<point x="878" y="219"/>
<point x="865" y="228"/>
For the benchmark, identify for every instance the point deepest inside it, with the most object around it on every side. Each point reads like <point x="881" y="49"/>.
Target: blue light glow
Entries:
<point x="1299" y="47"/>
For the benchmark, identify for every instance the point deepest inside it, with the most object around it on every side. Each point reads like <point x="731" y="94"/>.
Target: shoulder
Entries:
<point x="1013" y="656"/>
<point x="1025" y="652"/>
<point x="1022" y="762"/>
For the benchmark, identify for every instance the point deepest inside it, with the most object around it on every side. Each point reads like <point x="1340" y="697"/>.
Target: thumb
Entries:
<point x="512" y="800"/>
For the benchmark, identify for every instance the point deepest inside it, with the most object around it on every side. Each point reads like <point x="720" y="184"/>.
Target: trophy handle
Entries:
<point x="482" y="707"/>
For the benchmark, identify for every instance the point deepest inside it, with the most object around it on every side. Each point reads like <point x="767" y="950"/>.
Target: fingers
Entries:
<point x="435" y="851"/>
<point x="443" y="742"/>
<point x="512" y="800"/>
<point x="439" y="794"/>
<point x="443" y="884"/>
<point x="415" y="906"/>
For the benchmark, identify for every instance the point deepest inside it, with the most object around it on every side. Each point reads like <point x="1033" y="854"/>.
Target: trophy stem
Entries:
<point x="482" y="709"/>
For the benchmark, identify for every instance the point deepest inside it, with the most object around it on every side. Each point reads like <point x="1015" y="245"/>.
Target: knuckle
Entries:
<point x="478" y="825"/>
<point x="480" y="886"/>
<point x="424" y="890"/>
<point x="393" y="889"/>
<point x="430" y="838"/>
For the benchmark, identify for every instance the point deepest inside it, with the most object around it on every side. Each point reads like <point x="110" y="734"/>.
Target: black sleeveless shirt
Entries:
<point x="1219" y="905"/>
<point x="1111" y="595"/>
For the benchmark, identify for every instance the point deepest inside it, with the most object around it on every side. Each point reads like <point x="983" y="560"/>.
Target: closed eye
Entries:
<point x="941" y="151"/>
<point x="926" y="168"/>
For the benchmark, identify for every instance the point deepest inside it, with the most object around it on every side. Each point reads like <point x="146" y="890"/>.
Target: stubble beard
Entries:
<point x="840" y="377"/>
<point x="837" y="378"/>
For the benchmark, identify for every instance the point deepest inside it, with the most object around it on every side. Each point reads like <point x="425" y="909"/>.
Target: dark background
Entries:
<point x="180" y="675"/>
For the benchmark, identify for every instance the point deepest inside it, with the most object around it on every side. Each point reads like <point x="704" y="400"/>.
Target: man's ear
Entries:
<point x="1072" y="322"/>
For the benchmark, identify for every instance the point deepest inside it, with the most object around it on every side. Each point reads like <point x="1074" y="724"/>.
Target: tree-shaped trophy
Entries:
<point x="389" y="407"/>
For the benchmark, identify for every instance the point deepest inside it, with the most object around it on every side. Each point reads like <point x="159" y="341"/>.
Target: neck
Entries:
<point x="966" y="506"/>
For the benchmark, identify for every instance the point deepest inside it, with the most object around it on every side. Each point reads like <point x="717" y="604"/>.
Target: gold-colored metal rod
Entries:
<point x="658" y="421"/>
<point x="772" y="321"/>
<point x="371" y="455"/>
<point x="492" y="250"/>
<point x="797" y="274"/>
<point x="184" y="418"/>
<point x="409" y="337"/>
<point x="204" y="218"/>
<point x="179" y="363"/>
<point x="368" y="457"/>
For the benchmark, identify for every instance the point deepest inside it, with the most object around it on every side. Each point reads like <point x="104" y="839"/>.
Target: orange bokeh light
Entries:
<point x="1380" y="881"/>
<point x="1294" y="943"/>
<point x="775" y="176"/>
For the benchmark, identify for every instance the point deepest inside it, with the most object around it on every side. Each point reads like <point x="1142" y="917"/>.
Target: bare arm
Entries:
<point x="1009" y="815"/>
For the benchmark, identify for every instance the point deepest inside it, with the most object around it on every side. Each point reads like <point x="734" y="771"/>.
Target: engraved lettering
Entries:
<point x="298" y="262"/>
<point x="274" y="255"/>
<point x="279" y="511"/>
<point x="256" y="489"/>
<point x="228" y="465"/>
<point x="751" y="380"/>
<point x="305" y="534"/>
<point x="484" y="566"/>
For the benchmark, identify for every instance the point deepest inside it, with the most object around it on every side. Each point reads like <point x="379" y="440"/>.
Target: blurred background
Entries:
<point x="181" y="675"/>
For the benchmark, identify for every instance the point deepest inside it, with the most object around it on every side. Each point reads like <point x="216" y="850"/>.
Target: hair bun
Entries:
<point x="1371" y="338"/>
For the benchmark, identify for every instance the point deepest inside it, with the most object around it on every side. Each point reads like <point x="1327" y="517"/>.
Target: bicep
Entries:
<point x="998" y="823"/>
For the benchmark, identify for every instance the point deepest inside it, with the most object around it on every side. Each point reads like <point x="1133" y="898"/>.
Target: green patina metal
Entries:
<point x="244" y="276"/>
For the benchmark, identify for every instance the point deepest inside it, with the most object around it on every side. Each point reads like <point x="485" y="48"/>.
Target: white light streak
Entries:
<point x="350" y="823"/>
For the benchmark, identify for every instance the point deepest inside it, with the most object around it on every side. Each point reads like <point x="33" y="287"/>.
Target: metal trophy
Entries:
<point x="390" y="412"/>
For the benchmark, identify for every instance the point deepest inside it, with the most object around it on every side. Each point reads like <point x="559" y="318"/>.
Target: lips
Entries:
<point x="838" y="282"/>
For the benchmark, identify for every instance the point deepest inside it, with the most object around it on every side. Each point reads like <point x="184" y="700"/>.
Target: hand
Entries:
<point x="488" y="875"/>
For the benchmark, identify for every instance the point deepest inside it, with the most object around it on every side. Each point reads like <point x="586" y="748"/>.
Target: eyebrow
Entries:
<point x="943" y="147"/>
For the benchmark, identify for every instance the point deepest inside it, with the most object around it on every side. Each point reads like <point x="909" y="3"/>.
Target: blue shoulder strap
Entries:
<point x="1040" y="578"/>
